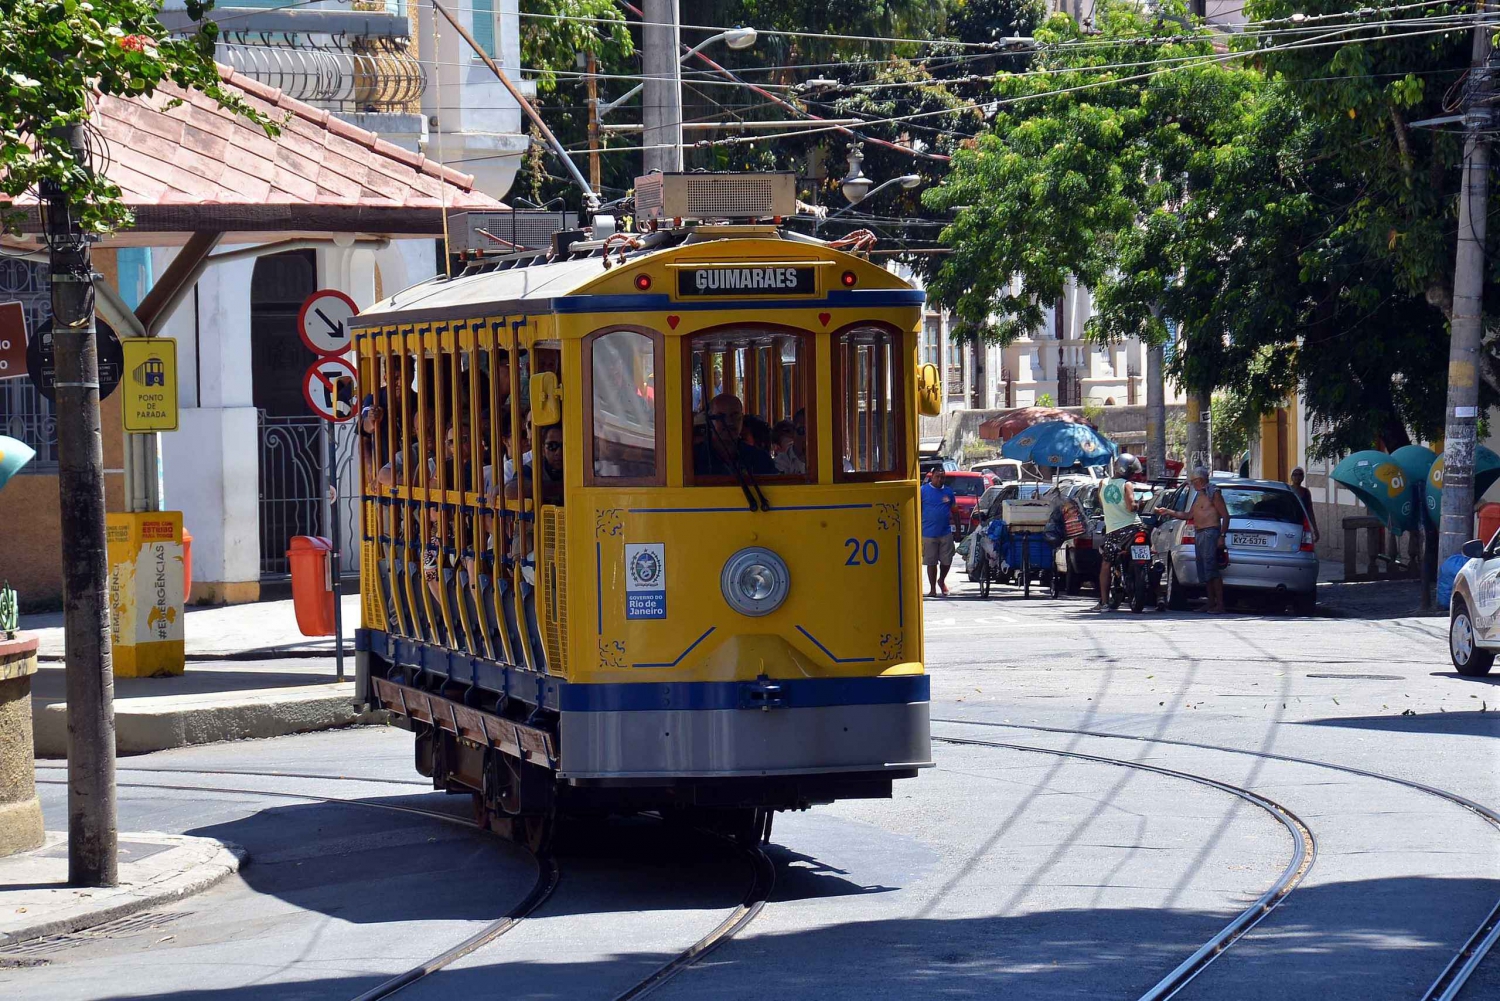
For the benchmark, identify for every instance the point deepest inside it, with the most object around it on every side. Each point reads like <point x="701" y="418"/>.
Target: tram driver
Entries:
<point x="723" y="450"/>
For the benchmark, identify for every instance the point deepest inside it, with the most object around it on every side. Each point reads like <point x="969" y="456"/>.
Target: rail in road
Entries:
<point x="762" y="882"/>
<point x="1464" y="962"/>
<point x="1304" y="850"/>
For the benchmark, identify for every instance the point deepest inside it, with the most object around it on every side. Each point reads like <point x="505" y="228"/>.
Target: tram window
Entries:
<point x="624" y="436"/>
<point x="867" y="383"/>
<point x="748" y="394"/>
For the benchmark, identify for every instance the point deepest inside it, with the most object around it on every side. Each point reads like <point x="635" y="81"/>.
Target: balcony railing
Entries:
<point x="348" y="61"/>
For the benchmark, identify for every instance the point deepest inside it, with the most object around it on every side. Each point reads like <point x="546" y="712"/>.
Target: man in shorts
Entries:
<point x="1121" y="521"/>
<point x="1210" y="518"/>
<point x="938" y="504"/>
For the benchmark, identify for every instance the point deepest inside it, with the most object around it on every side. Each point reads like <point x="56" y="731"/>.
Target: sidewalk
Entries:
<point x="1369" y="599"/>
<point x="250" y="673"/>
<point x="262" y="630"/>
<point x="37" y="906"/>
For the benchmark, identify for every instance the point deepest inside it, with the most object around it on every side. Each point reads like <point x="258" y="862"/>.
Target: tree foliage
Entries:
<point x="1272" y="208"/>
<point x="57" y="57"/>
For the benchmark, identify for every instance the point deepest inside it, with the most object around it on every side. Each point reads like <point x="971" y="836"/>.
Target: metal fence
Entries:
<point x="292" y="501"/>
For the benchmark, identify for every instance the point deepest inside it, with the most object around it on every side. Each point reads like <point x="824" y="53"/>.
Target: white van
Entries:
<point x="1003" y="470"/>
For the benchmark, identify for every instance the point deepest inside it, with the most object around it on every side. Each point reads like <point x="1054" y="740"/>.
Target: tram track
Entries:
<point x="549" y="874"/>
<point x="1450" y="982"/>
<point x="1304" y="852"/>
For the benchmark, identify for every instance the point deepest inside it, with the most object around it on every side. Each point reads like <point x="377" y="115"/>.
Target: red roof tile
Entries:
<point x="199" y="154"/>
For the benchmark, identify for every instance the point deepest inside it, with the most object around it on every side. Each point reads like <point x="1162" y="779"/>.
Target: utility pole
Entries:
<point x="1457" y="525"/>
<point x="591" y="67"/>
<point x="89" y="675"/>
<point x="1156" y="411"/>
<point x="661" y="100"/>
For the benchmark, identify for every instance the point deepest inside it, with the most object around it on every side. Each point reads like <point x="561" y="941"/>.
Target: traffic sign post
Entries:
<point x="331" y="388"/>
<point x="12" y="340"/>
<point x="41" y="363"/>
<point x="323" y="322"/>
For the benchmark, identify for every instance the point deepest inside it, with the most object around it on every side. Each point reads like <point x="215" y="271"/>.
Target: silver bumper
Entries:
<point x="672" y="744"/>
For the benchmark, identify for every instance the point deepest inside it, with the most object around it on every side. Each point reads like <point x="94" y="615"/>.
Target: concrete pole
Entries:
<point x="596" y="171"/>
<point x="1156" y="410"/>
<point x="661" y="100"/>
<point x="89" y="677"/>
<point x="1457" y="523"/>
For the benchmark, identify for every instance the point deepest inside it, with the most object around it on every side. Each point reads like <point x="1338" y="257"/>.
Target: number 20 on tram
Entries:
<point x="641" y="528"/>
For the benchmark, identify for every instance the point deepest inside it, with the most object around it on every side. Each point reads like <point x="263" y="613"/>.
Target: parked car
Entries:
<point x="968" y="487"/>
<point x="928" y="463"/>
<point x="1270" y="544"/>
<point x="1474" y="609"/>
<point x="1003" y="470"/>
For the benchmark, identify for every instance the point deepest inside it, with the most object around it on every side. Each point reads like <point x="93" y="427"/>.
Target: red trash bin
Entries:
<point x="187" y="565"/>
<point x="312" y="590"/>
<point x="1489" y="521"/>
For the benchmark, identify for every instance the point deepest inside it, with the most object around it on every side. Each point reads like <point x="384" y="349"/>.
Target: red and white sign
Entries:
<point x="12" y="340"/>
<point x="323" y="322"/>
<point x="321" y="389"/>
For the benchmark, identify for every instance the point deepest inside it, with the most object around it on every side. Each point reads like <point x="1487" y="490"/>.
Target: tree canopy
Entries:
<point x="57" y="57"/>
<point x="1265" y="201"/>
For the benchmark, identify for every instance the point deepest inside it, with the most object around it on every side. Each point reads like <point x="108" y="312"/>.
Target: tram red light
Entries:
<point x="643" y="282"/>
<point x="849" y="278"/>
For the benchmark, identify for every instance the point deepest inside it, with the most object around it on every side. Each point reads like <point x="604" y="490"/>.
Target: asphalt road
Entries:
<point x="1003" y="872"/>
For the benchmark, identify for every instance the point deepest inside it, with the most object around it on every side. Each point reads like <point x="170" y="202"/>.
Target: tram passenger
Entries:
<point x="723" y="452"/>
<point x="791" y="444"/>
<point x="552" y="465"/>
<point x="756" y="433"/>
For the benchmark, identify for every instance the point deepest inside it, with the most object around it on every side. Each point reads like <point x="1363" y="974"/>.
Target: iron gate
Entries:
<point x="292" y="453"/>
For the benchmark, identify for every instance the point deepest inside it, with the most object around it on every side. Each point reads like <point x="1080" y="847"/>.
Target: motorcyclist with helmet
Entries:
<point x="1121" y="520"/>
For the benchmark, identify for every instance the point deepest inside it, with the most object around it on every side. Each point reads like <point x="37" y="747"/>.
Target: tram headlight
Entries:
<point x="755" y="581"/>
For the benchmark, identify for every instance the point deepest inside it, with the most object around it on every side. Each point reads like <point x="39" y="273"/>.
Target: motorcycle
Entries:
<point x="1137" y="578"/>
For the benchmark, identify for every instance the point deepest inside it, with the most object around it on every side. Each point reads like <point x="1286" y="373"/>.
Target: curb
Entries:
<point x="228" y="859"/>
<point x="160" y="723"/>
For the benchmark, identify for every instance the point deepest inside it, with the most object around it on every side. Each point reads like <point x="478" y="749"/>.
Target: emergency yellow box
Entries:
<point x="145" y="593"/>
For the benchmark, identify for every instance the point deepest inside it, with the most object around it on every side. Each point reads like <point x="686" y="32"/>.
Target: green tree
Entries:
<point x="57" y="57"/>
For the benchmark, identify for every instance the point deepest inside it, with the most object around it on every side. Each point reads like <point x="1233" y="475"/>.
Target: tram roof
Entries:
<point x="528" y="283"/>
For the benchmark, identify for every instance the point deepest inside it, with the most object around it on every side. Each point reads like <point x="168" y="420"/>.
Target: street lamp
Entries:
<point x="857" y="187"/>
<point x="737" y="39"/>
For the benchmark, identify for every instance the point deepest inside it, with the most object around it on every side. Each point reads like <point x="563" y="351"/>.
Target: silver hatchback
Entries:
<point x="1270" y="544"/>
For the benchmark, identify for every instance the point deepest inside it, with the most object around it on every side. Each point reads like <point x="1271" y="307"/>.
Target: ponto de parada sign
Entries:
<point x="150" y="383"/>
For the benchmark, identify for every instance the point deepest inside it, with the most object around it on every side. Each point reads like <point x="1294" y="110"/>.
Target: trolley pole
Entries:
<point x="1467" y="325"/>
<point x="328" y="438"/>
<point x="89" y="676"/>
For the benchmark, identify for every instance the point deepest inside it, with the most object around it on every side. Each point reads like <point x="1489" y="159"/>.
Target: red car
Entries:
<point x="968" y="486"/>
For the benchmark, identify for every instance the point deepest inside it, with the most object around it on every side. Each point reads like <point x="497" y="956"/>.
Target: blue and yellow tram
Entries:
<point x="641" y="527"/>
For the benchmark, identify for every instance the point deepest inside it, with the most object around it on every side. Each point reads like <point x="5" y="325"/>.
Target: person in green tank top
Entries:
<point x="1117" y="498"/>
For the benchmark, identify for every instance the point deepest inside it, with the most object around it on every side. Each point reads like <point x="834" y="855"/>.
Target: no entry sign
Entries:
<point x="323" y="322"/>
<point x="330" y="389"/>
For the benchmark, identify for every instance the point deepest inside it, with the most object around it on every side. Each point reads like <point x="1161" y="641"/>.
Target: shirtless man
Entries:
<point x="1210" y="520"/>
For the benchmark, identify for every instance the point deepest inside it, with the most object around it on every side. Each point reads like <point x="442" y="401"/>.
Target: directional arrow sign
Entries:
<point x="323" y="322"/>
<point x="329" y="388"/>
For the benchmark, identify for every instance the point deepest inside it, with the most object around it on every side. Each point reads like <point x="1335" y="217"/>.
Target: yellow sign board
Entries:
<point x="150" y="383"/>
<point x="145" y="592"/>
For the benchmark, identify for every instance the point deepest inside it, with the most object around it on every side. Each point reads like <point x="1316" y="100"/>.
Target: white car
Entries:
<point x="1474" y="611"/>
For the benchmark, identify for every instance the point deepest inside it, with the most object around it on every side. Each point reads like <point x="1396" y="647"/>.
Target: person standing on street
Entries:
<point x="938" y="504"/>
<point x="1305" y="495"/>
<point x="1121" y="521"/>
<point x="1210" y="518"/>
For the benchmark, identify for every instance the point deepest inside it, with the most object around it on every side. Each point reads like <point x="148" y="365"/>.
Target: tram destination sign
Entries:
<point x="746" y="280"/>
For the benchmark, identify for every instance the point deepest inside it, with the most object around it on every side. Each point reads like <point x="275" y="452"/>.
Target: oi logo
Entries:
<point x="1113" y="494"/>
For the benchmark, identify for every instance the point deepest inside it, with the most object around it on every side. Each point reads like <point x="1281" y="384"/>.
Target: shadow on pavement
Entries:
<point x="1475" y="722"/>
<point x="1381" y="938"/>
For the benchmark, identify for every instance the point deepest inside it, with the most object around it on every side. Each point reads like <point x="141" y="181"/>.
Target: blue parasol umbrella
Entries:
<point x="13" y="455"/>
<point x="1060" y="444"/>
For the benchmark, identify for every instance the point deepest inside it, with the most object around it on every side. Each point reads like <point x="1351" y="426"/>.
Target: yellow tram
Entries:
<point x="641" y="526"/>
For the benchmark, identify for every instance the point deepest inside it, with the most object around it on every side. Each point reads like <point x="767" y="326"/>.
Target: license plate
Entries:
<point x="1245" y="539"/>
<point x="1140" y="552"/>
